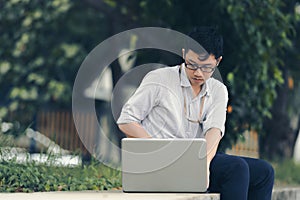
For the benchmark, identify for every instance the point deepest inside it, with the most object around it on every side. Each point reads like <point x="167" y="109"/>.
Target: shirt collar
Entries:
<point x="184" y="82"/>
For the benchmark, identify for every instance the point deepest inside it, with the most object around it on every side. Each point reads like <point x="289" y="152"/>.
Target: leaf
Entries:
<point x="230" y="77"/>
<point x="5" y="66"/>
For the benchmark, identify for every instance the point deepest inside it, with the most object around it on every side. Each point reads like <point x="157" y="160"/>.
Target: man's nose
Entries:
<point x="198" y="72"/>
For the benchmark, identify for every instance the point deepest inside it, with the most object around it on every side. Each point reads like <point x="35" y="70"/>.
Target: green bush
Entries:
<point x="31" y="177"/>
<point x="287" y="173"/>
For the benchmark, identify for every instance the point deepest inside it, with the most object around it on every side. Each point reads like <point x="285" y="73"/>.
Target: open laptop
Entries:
<point x="164" y="165"/>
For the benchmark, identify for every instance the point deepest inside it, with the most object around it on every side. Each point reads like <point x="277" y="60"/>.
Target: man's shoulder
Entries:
<point x="165" y="69"/>
<point x="216" y="85"/>
<point x="163" y="74"/>
<point x="217" y="82"/>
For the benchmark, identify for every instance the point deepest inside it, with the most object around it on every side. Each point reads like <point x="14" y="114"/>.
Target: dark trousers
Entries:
<point x="241" y="178"/>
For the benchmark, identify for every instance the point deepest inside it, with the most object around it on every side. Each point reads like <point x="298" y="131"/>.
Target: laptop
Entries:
<point x="164" y="165"/>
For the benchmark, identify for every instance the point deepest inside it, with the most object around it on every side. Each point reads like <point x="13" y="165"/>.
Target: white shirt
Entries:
<point x="158" y="104"/>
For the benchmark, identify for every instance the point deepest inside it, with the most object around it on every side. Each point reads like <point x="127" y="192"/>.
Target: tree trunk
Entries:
<point x="279" y="139"/>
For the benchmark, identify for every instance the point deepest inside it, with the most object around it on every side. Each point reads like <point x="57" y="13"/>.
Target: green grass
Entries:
<point x="31" y="177"/>
<point x="287" y="173"/>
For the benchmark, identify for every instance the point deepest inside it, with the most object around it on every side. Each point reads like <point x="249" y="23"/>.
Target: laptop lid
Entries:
<point x="164" y="165"/>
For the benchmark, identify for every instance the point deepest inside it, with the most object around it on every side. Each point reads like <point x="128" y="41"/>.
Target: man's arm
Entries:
<point x="213" y="137"/>
<point x="214" y="125"/>
<point x="134" y="130"/>
<point x="138" y="107"/>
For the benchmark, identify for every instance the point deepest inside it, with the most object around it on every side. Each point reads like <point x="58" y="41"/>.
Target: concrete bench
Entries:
<point x="278" y="194"/>
<point x="109" y="195"/>
<point x="288" y="193"/>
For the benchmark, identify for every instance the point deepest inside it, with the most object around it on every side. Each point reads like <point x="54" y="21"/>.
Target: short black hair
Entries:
<point x="208" y="38"/>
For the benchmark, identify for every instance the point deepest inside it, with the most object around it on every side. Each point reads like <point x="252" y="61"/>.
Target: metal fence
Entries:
<point x="59" y="126"/>
<point x="246" y="147"/>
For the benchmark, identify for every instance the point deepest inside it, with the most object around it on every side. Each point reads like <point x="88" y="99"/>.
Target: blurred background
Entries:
<point x="43" y="43"/>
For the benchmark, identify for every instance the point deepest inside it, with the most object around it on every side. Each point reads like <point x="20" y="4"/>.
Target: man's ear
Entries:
<point x="183" y="53"/>
<point x="219" y="60"/>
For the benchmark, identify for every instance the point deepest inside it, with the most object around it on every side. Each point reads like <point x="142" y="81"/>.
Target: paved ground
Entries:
<point x="115" y="195"/>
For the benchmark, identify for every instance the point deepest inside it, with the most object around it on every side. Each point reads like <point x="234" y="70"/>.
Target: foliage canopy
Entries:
<point x="44" y="42"/>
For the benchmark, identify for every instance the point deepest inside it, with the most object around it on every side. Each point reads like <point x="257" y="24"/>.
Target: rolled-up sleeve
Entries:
<point x="141" y="103"/>
<point x="216" y="115"/>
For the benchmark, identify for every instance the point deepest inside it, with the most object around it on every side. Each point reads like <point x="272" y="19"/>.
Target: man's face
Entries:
<point x="198" y="76"/>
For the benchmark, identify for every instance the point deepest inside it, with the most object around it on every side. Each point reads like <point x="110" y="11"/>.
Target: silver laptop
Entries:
<point x="164" y="165"/>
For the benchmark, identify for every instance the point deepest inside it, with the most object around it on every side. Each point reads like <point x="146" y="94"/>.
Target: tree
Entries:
<point x="42" y="46"/>
<point x="44" y="43"/>
<point x="284" y="126"/>
<point x="264" y="34"/>
<point x="257" y="35"/>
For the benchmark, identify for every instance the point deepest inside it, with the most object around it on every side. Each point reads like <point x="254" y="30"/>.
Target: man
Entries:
<point x="186" y="102"/>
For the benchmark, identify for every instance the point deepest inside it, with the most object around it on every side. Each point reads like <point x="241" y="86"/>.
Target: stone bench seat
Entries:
<point x="289" y="193"/>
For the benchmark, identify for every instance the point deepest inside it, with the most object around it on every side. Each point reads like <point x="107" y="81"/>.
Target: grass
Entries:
<point x="34" y="177"/>
<point x="31" y="177"/>
<point x="287" y="173"/>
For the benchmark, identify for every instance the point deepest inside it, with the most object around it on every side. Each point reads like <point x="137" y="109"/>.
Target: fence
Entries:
<point x="246" y="147"/>
<point x="59" y="126"/>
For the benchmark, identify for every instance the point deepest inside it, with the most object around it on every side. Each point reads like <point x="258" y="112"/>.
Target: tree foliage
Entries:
<point x="42" y="46"/>
<point x="263" y="36"/>
<point x="44" y="42"/>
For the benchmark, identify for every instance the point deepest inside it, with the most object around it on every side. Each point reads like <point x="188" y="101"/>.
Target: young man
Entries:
<point x="186" y="102"/>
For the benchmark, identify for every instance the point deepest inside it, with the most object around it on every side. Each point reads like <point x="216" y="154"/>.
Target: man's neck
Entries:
<point x="196" y="90"/>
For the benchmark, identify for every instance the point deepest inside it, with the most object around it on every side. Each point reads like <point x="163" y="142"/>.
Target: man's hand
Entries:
<point x="207" y="178"/>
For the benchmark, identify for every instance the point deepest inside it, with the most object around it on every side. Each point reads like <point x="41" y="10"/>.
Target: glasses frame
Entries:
<point x="199" y="121"/>
<point x="201" y="67"/>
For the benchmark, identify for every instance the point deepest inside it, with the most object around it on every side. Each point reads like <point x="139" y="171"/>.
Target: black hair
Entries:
<point x="208" y="38"/>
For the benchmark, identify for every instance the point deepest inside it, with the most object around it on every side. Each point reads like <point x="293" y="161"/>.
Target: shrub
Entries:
<point x="31" y="177"/>
<point x="287" y="173"/>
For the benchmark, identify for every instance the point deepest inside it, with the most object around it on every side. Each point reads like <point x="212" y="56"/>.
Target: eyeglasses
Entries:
<point x="203" y="68"/>
<point x="199" y="121"/>
<point x="200" y="113"/>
